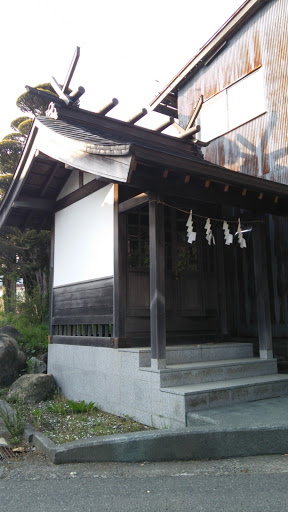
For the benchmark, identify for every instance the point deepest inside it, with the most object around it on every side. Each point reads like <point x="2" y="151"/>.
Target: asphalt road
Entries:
<point x="31" y="483"/>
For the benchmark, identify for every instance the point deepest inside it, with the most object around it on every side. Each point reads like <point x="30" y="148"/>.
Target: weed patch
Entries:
<point x="66" y="420"/>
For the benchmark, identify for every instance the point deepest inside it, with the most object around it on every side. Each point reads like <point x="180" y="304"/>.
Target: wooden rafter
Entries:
<point x="195" y="112"/>
<point x="134" y="202"/>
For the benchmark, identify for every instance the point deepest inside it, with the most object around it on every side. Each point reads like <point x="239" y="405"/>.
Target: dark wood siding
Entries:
<point x="89" y="302"/>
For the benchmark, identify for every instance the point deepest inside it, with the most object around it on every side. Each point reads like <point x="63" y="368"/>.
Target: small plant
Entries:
<point x="57" y="408"/>
<point x="3" y="392"/>
<point x="81" y="407"/>
<point x="37" y="413"/>
<point x="14" y="421"/>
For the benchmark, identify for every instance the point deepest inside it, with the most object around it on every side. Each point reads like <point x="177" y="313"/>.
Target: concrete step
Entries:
<point x="212" y="371"/>
<point x="180" y="354"/>
<point x="223" y="393"/>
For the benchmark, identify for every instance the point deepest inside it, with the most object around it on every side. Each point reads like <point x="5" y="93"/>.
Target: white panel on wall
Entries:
<point x="84" y="239"/>
<point x="246" y="99"/>
<point x="213" y="117"/>
<point x="232" y="107"/>
<point x="71" y="184"/>
<point x="87" y="177"/>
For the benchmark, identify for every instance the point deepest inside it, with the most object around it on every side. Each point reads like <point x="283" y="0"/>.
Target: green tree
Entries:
<point x="15" y="123"/>
<point x="10" y="152"/>
<point x="22" y="254"/>
<point x="33" y="104"/>
<point x="25" y="127"/>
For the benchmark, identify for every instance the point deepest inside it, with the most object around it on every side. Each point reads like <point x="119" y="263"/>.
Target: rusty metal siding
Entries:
<point x="258" y="147"/>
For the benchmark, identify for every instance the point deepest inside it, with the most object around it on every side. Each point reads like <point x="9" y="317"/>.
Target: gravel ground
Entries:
<point x="69" y="426"/>
<point x="62" y="424"/>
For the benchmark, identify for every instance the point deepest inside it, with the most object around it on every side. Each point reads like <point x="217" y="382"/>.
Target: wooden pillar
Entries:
<point x="157" y="285"/>
<point x="262" y="292"/>
<point x="221" y="282"/>
<point x="51" y="281"/>
<point x="120" y="270"/>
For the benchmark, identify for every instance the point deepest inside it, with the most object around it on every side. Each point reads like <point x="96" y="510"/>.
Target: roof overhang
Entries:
<point x="142" y="159"/>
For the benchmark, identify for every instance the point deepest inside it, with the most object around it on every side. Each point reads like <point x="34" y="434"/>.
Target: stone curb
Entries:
<point x="163" y="445"/>
<point x="197" y="443"/>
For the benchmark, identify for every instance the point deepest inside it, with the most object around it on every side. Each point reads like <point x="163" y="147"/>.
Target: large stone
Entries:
<point x="12" y="332"/>
<point x="12" y="360"/>
<point x="36" y="365"/>
<point x="32" y="388"/>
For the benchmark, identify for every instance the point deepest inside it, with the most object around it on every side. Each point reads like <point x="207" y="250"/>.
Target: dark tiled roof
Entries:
<point x="93" y="141"/>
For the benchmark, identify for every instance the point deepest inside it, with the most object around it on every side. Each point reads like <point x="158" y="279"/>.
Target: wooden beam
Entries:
<point x="76" y="95"/>
<point x="134" y="202"/>
<point x="59" y="92"/>
<point x="34" y="203"/>
<point x="71" y="70"/>
<point x="221" y="275"/>
<point x="165" y="125"/>
<point x="133" y="164"/>
<point x="195" y="112"/>
<point x="84" y="341"/>
<point x="138" y="116"/>
<point x="208" y="170"/>
<point x="157" y="285"/>
<point x="50" y="178"/>
<point x="51" y="279"/>
<point x="174" y="187"/>
<point x="178" y="127"/>
<point x="188" y="133"/>
<point x="103" y="111"/>
<point x="80" y="193"/>
<point x="120" y="271"/>
<point x="262" y="292"/>
<point x="167" y="110"/>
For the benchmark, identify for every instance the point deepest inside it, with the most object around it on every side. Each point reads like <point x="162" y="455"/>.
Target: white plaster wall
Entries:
<point x="113" y="380"/>
<point x="84" y="239"/>
<point x="72" y="183"/>
<point x="87" y="177"/>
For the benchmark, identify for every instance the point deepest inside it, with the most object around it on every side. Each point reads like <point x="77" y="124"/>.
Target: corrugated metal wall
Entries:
<point x="259" y="147"/>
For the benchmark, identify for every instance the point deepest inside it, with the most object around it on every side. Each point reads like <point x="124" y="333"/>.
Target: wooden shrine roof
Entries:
<point x="116" y="151"/>
<point x="94" y="141"/>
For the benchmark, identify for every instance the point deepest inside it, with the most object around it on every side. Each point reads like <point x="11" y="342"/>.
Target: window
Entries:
<point x="138" y="239"/>
<point x="236" y="105"/>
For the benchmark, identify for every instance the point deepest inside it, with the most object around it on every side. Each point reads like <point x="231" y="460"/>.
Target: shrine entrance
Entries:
<point x="191" y="297"/>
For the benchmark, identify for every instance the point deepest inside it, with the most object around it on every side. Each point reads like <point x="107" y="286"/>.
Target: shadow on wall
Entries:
<point x="250" y="154"/>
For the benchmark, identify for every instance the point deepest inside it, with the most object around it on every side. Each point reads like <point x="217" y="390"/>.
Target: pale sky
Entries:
<point x="129" y="49"/>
